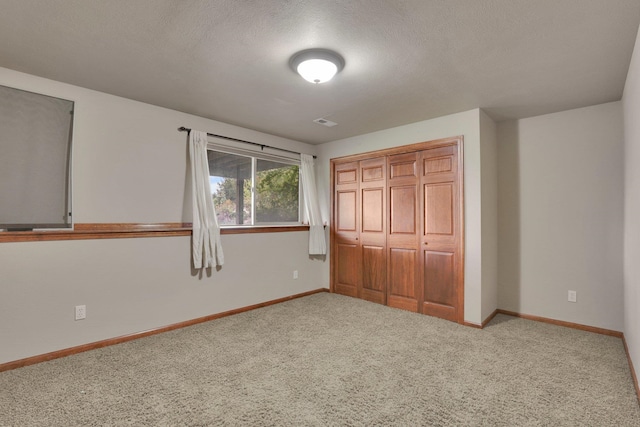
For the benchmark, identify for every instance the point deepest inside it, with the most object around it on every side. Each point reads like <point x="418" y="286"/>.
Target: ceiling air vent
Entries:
<point x="325" y="122"/>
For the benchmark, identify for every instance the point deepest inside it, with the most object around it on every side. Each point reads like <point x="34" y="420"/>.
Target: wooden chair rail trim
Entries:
<point x="270" y="229"/>
<point x="112" y="341"/>
<point x="111" y="227"/>
<point x="90" y="231"/>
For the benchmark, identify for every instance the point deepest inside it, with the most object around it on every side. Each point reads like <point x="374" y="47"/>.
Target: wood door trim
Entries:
<point x="443" y="142"/>
<point x="332" y="229"/>
<point x="461" y="245"/>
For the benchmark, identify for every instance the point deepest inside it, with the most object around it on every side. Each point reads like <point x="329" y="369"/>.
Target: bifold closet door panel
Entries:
<point x="403" y="266"/>
<point x="440" y="239"/>
<point x="397" y="235"/>
<point x="373" y="236"/>
<point x="347" y="257"/>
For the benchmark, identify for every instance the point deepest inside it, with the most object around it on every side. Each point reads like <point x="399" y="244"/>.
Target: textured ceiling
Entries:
<point x="406" y="60"/>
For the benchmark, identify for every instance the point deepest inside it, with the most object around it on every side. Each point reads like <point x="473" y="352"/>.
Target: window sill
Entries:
<point x="96" y="231"/>
<point x="263" y="229"/>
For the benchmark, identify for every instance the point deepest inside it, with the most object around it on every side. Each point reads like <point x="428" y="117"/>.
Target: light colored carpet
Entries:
<point x="333" y="360"/>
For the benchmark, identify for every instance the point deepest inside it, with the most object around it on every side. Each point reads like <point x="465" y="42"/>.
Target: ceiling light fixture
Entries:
<point x="317" y="65"/>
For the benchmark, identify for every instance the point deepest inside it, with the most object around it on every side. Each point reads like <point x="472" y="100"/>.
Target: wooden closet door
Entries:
<point x="403" y="232"/>
<point x="397" y="233"/>
<point x="373" y="233"/>
<point x="441" y="238"/>
<point x="346" y="255"/>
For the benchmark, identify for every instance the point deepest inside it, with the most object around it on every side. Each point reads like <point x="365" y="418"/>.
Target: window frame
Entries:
<point x="254" y="155"/>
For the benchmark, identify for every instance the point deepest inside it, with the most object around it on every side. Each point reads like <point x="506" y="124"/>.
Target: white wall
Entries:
<point x="560" y="215"/>
<point x="489" y="200"/>
<point x="129" y="165"/>
<point x="631" y="108"/>
<point x="466" y="124"/>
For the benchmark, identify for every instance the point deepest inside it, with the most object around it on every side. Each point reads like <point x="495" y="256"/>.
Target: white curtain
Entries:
<point x="205" y="240"/>
<point x="317" y="244"/>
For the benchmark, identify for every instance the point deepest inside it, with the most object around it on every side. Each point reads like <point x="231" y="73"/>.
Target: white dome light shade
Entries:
<point x="316" y="65"/>
<point x="317" y="70"/>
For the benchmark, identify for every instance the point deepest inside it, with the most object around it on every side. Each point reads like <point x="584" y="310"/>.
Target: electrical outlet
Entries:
<point x="573" y="296"/>
<point x="295" y="274"/>
<point x="81" y="312"/>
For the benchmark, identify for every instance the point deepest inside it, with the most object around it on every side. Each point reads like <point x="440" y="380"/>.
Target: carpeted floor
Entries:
<point x="329" y="360"/>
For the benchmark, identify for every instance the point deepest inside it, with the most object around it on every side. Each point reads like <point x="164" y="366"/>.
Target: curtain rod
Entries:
<point x="262" y="146"/>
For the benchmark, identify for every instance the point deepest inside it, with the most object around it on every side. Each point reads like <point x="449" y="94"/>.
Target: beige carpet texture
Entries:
<point x="330" y="360"/>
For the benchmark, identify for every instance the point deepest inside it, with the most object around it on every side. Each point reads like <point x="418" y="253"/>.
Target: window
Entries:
<point x="35" y="160"/>
<point x="250" y="189"/>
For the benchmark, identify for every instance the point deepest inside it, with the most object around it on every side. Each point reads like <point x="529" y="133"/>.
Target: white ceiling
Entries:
<point x="406" y="60"/>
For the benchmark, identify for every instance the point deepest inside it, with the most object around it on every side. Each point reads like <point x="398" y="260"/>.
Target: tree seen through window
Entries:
<point x="276" y="190"/>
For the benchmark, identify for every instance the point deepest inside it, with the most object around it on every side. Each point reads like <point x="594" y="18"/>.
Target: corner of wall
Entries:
<point x="489" y="211"/>
<point x="631" y="251"/>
